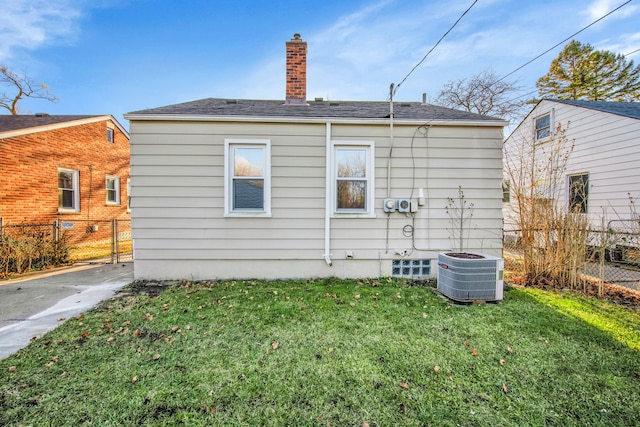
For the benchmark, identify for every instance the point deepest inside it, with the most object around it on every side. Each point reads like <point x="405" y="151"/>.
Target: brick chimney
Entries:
<point x="296" y="71"/>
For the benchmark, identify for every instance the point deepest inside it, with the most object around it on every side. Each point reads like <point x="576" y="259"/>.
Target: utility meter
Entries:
<point x="389" y="205"/>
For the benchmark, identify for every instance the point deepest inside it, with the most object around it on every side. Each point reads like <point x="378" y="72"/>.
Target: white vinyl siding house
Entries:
<point x="324" y="171"/>
<point x="602" y="171"/>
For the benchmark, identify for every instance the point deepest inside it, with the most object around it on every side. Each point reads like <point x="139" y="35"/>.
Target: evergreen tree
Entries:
<point x="580" y="72"/>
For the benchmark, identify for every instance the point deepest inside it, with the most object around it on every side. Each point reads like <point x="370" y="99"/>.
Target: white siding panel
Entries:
<point x="607" y="147"/>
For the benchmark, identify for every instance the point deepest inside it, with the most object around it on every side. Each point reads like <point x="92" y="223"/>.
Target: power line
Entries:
<point x="631" y="53"/>
<point x="570" y="37"/>
<point x="434" y="46"/>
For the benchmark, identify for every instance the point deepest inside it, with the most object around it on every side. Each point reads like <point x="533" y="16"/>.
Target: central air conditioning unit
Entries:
<point x="466" y="277"/>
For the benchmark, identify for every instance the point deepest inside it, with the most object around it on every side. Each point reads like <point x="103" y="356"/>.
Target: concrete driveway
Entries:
<point x="31" y="306"/>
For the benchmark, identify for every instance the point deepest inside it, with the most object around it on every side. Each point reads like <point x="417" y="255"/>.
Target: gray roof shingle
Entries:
<point x="313" y="110"/>
<point x="627" y="109"/>
<point x="10" y="122"/>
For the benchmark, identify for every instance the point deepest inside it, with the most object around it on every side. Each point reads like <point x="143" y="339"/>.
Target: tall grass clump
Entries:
<point x="552" y="240"/>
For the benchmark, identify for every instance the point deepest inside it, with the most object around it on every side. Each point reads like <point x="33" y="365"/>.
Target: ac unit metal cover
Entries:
<point x="467" y="277"/>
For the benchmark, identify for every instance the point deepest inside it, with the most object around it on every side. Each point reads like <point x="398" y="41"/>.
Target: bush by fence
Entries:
<point x="31" y="247"/>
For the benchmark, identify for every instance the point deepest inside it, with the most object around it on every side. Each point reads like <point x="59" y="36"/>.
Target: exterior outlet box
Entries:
<point x="389" y="205"/>
<point x="404" y="205"/>
<point x="414" y="206"/>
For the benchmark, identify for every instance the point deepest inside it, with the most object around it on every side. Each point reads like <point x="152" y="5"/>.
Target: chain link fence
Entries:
<point x="26" y="247"/>
<point x="106" y="241"/>
<point x="612" y="256"/>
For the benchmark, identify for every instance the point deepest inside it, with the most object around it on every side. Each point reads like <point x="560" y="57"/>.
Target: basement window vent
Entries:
<point x="411" y="268"/>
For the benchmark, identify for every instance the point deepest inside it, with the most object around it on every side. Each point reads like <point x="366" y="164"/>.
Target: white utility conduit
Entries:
<point x="328" y="205"/>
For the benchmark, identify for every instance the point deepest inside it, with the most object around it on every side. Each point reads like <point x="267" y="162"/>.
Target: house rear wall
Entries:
<point x="177" y="190"/>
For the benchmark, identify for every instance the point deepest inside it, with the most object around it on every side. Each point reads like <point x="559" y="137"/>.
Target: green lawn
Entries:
<point x="329" y="352"/>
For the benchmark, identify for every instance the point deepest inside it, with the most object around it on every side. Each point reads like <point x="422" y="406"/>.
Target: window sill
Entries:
<point x="247" y="215"/>
<point x="68" y="211"/>
<point x="352" y="215"/>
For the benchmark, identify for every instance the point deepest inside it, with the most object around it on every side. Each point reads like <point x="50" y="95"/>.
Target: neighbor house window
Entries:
<point x="68" y="190"/>
<point x="112" y="184"/>
<point x="506" y="191"/>
<point x="247" y="177"/>
<point x="353" y="177"/>
<point x="110" y="135"/>
<point x="578" y="193"/>
<point x="543" y="127"/>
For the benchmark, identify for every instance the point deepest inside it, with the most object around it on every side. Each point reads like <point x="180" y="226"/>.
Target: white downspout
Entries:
<point x="328" y="205"/>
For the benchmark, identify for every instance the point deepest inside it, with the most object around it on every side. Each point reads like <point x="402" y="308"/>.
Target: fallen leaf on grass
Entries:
<point x="136" y="333"/>
<point x="474" y="352"/>
<point x="436" y="369"/>
<point x="502" y="362"/>
<point x="148" y="316"/>
<point x="109" y="339"/>
<point x="357" y="296"/>
<point x="12" y="368"/>
<point x="424" y="315"/>
<point x="509" y="349"/>
<point x="134" y="380"/>
<point x="504" y="388"/>
<point x="404" y="385"/>
<point x="274" y="345"/>
<point x="352" y="304"/>
<point x="156" y="356"/>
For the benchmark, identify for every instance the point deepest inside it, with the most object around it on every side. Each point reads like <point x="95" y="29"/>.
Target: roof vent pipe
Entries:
<point x="424" y="98"/>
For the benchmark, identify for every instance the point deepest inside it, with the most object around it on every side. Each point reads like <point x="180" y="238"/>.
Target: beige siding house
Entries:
<point x="602" y="174"/>
<point x="226" y="188"/>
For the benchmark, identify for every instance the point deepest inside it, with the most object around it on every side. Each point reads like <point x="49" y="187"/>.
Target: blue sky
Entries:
<point x="117" y="56"/>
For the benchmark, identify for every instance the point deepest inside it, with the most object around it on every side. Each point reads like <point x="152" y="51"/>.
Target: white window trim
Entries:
<point x="552" y="125"/>
<point x="371" y="156"/>
<point x="116" y="188"/>
<point x="228" y="176"/>
<point x="75" y="183"/>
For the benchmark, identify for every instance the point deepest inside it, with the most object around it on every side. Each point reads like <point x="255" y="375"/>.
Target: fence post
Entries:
<point x="117" y="234"/>
<point x="113" y="241"/>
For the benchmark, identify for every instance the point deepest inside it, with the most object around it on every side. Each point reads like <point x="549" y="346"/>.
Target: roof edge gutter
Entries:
<point x="315" y="120"/>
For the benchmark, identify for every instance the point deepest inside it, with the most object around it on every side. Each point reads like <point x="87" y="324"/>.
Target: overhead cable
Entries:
<point x="570" y="37"/>
<point x="434" y="46"/>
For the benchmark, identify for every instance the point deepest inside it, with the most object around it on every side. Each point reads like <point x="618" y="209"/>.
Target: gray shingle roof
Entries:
<point x="10" y="122"/>
<point x="627" y="109"/>
<point x="314" y="109"/>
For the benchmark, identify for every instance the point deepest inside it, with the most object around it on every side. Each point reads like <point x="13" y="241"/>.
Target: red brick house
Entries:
<point x="69" y="168"/>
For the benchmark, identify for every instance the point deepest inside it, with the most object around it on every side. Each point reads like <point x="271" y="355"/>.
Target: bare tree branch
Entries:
<point x="20" y="86"/>
<point x="483" y="93"/>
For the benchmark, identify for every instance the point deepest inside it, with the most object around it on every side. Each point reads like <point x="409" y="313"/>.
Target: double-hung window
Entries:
<point x="579" y="193"/>
<point x="68" y="190"/>
<point x="542" y="126"/>
<point x="353" y="177"/>
<point x="247" y="177"/>
<point x="112" y="185"/>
